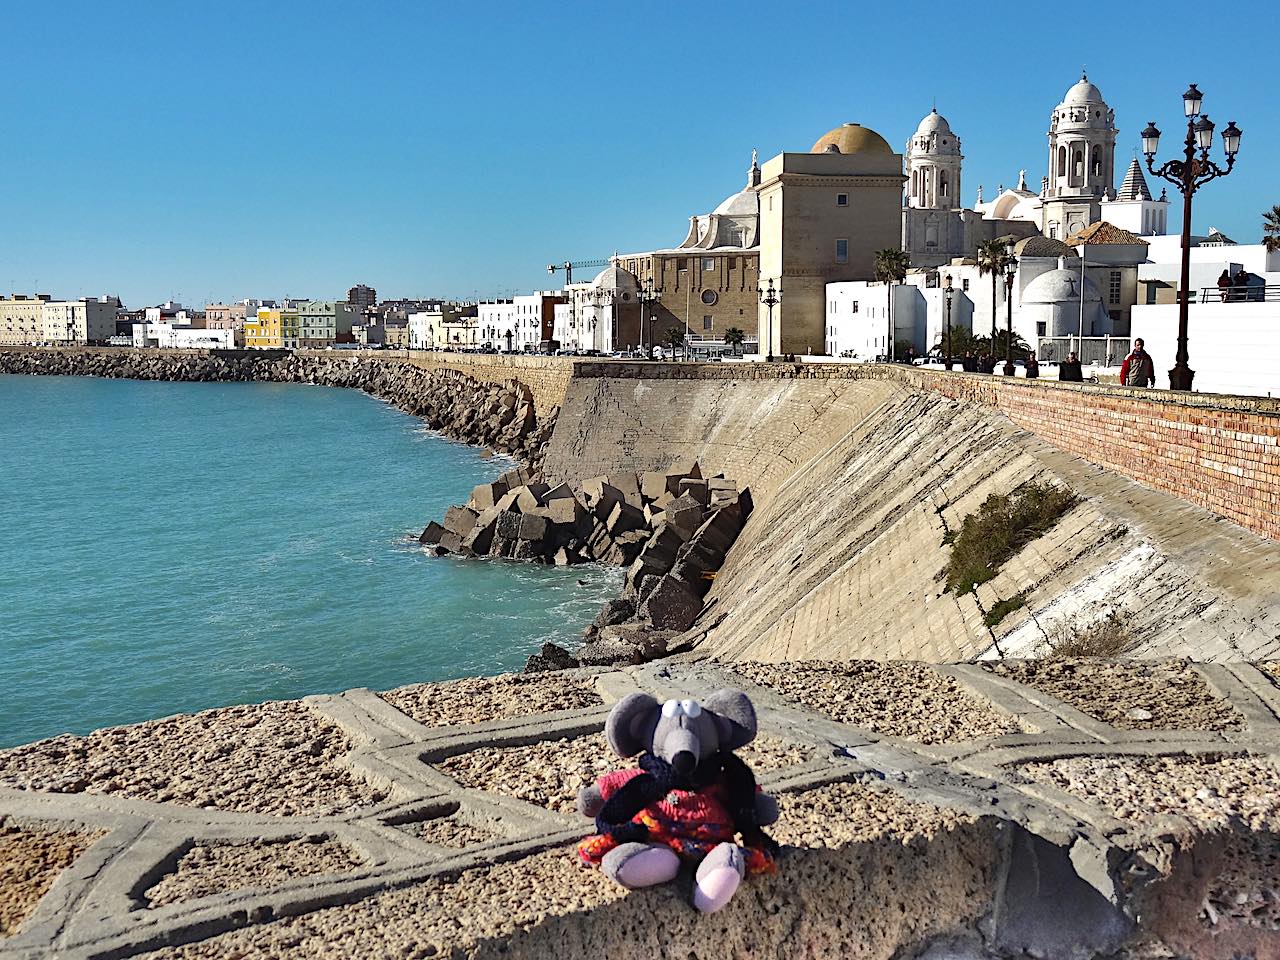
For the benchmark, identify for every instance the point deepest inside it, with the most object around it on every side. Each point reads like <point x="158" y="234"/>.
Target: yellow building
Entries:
<point x="264" y="330"/>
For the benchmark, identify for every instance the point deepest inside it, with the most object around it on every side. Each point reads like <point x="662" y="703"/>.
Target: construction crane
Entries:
<point x="571" y="265"/>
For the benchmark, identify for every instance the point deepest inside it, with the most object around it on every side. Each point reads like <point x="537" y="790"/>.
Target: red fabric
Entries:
<point x="691" y="822"/>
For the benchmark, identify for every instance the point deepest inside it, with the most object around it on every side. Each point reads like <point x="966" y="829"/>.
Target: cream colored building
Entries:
<point x="22" y="318"/>
<point x="823" y="214"/>
<point x="79" y="321"/>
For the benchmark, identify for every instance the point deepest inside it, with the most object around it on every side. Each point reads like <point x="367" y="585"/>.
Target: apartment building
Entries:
<point x="22" y="318"/>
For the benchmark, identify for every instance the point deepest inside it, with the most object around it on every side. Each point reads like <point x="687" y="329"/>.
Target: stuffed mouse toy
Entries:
<point x="688" y="800"/>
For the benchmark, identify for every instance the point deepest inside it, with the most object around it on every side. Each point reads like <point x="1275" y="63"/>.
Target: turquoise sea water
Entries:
<point x="167" y="547"/>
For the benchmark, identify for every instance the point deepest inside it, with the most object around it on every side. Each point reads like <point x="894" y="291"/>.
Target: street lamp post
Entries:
<point x="647" y="295"/>
<point x="1010" y="272"/>
<point x="950" y="292"/>
<point x="770" y="297"/>
<point x="1190" y="174"/>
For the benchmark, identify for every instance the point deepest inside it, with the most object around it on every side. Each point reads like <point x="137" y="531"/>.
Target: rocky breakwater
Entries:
<point x="671" y="528"/>
<point x="500" y="416"/>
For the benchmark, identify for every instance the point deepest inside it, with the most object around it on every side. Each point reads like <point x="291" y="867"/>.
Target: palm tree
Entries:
<point x="993" y="258"/>
<point x="675" y="337"/>
<point x="1271" y="229"/>
<point x="735" y="337"/>
<point x="891" y="267"/>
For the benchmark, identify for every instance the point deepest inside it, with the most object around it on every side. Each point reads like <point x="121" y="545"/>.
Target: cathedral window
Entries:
<point x="1096" y="166"/>
<point x="1077" y="164"/>
<point x="842" y="251"/>
<point x="708" y="264"/>
<point x="1062" y="161"/>
<point x="842" y="199"/>
<point x="942" y="183"/>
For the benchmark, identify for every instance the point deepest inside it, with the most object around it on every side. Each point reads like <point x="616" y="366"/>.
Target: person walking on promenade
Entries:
<point x="970" y="363"/>
<point x="1241" y="292"/>
<point x="1069" y="370"/>
<point x="1033" y="367"/>
<point x="1138" y="369"/>
<point x="1224" y="285"/>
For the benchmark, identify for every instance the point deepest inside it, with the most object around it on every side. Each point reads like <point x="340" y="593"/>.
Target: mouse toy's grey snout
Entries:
<point x="681" y="732"/>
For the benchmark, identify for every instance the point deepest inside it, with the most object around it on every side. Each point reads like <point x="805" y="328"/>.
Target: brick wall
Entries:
<point x="1219" y="452"/>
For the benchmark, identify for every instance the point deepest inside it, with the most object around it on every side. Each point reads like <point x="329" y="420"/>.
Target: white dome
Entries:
<point x="1060" y="286"/>
<point x="613" y="277"/>
<point x="1082" y="92"/>
<point x="743" y="204"/>
<point x="933" y="122"/>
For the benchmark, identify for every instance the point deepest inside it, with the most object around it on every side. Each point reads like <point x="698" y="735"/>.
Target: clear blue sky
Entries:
<point x="220" y="151"/>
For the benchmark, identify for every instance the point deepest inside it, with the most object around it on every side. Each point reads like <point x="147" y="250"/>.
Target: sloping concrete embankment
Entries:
<point x="856" y="483"/>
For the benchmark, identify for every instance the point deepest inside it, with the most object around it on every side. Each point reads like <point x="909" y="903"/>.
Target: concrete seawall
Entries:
<point x="858" y="473"/>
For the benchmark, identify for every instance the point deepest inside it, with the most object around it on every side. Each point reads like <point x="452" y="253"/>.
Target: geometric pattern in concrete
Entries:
<point x="432" y="830"/>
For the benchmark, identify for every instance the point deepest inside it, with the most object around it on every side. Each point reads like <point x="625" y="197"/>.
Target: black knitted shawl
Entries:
<point x="660" y="778"/>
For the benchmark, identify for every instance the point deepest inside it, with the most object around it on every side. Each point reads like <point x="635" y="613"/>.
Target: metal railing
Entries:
<point x="1236" y="293"/>
<point x="1103" y="351"/>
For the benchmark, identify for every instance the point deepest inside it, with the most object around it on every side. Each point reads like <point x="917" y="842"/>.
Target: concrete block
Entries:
<point x="486" y="495"/>
<point x="623" y="518"/>
<point x="566" y="511"/>
<point x="451" y="542"/>
<point x="507" y="502"/>
<point x="533" y="527"/>
<point x="629" y="486"/>
<point x="561" y="491"/>
<point x="508" y="526"/>
<point x="696" y="489"/>
<point x="671" y="605"/>
<point x="655" y="483"/>
<point x="531" y="495"/>
<point x="431" y="535"/>
<point x="684" y="515"/>
<point x="717" y="532"/>
<point x="460" y="520"/>
<point x="599" y="496"/>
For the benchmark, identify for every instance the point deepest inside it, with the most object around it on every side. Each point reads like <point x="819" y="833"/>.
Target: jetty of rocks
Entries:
<point x="671" y="529"/>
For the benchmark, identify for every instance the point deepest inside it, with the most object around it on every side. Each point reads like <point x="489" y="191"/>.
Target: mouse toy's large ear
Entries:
<point x="735" y="717"/>
<point x="629" y="728"/>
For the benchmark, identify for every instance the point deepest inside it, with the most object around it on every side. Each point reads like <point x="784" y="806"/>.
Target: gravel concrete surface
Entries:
<point x="272" y="758"/>
<point x="448" y="832"/>
<point x="1207" y="792"/>
<point x="551" y="773"/>
<point x="30" y="861"/>
<point x="207" y="869"/>
<point x="1132" y="695"/>
<point x="1272" y="667"/>
<point x="479" y="699"/>
<point x="918" y="875"/>
<point x="901" y="699"/>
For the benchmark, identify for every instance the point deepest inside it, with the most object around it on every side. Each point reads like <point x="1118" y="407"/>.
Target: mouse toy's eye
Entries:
<point x="671" y="709"/>
<point x="691" y="708"/>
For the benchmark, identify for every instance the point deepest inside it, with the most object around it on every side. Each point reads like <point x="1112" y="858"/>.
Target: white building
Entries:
<point x="79" y="321"/>
<point x="169" y="336"/>
<point x="859" y="314"/>
<point x="496" y="324"/>
<point x="535" y="318"/>
<point x="1233" y="346"/>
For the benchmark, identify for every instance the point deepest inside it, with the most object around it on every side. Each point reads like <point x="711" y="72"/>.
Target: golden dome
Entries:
<point x="852" y="138"/>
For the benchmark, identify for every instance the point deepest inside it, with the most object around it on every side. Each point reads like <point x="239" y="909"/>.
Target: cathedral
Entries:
<point x="1077" y="192"/>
